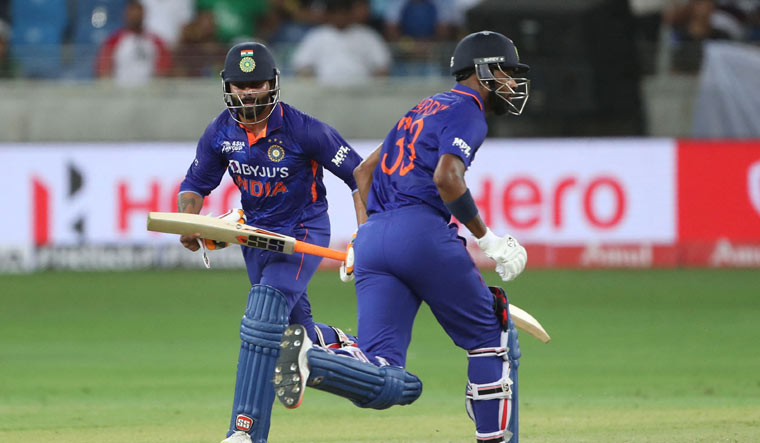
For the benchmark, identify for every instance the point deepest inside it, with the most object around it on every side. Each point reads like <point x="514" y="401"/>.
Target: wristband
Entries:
<point x="463" y="208"/>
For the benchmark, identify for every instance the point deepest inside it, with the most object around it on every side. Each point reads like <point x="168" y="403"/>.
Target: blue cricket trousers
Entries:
<point x="407" y="256"/>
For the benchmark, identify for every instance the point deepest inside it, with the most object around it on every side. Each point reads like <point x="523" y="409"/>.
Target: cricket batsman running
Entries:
<point x="408" y="253"/>
<point x="276" y="155"/>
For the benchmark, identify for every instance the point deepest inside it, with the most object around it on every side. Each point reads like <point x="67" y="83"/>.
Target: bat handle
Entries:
<point x="308" y="248"/>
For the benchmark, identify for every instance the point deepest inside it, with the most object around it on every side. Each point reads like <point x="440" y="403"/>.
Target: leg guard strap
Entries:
<point x="332" y="337"/>
<point x="366" y="385"/>
<point x="490" y="391"/>
<point x="493" y="437"/>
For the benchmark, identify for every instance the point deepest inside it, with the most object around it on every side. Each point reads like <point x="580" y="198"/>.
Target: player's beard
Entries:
<point x="252" y="109"/>
<point x="498" y="104"/>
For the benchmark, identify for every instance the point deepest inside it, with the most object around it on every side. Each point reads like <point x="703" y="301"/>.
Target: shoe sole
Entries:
<point x="291" y="370"/>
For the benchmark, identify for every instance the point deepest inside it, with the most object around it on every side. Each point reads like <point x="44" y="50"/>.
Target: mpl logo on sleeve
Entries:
<point x="243" y="423"/>
<point x="341" y="155"/>
<point x="461" y="144"/>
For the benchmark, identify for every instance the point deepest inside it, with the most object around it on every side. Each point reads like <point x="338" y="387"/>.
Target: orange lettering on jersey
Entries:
<point x="241" y="183"/>
<point x="279" y="187"/>
<point x="428" y="107"/>
<point x="257" y="188"/>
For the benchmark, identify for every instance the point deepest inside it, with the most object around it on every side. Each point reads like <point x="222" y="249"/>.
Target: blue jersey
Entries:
<point x="447" y="123"/>
<point x="279" y="174"/>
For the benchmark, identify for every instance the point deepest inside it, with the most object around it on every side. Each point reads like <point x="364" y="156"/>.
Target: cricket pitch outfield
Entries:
<point x="635" y="356"/>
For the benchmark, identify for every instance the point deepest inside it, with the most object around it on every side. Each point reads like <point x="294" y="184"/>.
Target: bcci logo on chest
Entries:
<point x="276" y="153"/>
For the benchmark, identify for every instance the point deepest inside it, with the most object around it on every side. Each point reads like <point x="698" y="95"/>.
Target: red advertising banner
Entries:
<point x="718" y="191"/>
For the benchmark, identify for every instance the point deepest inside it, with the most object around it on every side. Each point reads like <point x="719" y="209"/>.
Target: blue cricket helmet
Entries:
<point x="250" y="62"/>
<point x="484" y="53"/>
<point x="486" y="47"/>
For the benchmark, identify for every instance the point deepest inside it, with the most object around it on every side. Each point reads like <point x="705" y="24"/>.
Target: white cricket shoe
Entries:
<point x="292" y="368"/>
<point x="238" y="437"/>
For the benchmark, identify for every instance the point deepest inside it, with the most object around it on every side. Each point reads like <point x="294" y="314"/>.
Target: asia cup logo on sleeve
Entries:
<point x="243" y="423"/>
<point x="753" y="185"/>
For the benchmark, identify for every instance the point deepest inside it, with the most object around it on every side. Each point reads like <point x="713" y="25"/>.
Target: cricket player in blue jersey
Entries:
<point x="408" y="253"/>
<point x="276" y="155"/>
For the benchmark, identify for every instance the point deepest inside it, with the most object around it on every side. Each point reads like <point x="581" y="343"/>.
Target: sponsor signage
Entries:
<point x="574" y="203"/>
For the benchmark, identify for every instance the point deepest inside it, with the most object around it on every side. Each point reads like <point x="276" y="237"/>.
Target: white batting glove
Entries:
<point x="509" y="255"/>
<point x="347" y="267"/>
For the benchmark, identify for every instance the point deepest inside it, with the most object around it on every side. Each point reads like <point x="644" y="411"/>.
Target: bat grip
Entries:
<point x="308" y="248"/>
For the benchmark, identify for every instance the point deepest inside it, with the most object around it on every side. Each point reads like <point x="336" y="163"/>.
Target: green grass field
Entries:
<point x="636" y="356"/>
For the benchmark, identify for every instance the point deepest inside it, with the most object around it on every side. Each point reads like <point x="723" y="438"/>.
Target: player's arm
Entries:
<point x="509" y="255"/>
<point x="204" y="175"/>
<point x="191" y="203"/>
<point x="449" y="179"/>
<point x="363" y="174"/>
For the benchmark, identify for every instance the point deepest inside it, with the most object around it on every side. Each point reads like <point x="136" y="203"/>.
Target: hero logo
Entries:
<point x="461" y="144"/>
<point x="234" y="146"/>
<point x="243" y="423"/>
<point x="753" y="185"/>
<point x="341" y="155"/>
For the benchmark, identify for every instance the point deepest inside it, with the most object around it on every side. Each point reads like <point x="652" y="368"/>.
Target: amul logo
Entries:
<point x="753" y="185"/>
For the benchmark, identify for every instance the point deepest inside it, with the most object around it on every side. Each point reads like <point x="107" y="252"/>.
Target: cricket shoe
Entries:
<point x="292" y="369"/>
<point x="238" y="437"/>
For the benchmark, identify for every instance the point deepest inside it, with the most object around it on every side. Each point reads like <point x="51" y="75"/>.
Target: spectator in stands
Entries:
<point x="420" y="20"/>
<point x="133" y="56"/>
<point x="288" y="21"/>
<point x="342" y="51"/>
<point x="6" y="64"/>
<point x="694" y="21"/>
<point x="236" y="20"/>
<point x="167" y="18"/>
<point x="199" y="54"/>
<point x="697" y="20"/>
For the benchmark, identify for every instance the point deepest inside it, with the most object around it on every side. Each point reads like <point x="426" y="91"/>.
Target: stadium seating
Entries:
<point x="93" y="22"/>
<point x="38" y="28"/>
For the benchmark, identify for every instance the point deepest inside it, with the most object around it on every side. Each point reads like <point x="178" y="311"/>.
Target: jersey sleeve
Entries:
<point x="207" y="169"/>
<point x="462" y="136"/>
<point x="334" y="153"/>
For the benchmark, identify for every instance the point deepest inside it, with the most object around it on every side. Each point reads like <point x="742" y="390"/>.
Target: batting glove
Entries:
<point x="347" y="267"/>
<point x="235" y="215"/>
<point x="509" y="255"/>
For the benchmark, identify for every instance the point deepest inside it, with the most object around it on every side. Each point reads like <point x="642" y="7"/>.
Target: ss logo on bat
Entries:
<point x="270" y="244"/>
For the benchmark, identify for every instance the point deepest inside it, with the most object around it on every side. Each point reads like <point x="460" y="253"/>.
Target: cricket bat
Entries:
<point x="527" y="323"/>
<point x="214" y="229"/>
<point x="238" y="233"/>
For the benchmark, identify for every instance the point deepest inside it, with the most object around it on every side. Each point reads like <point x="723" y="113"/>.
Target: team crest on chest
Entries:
<point x="275" y="152"/>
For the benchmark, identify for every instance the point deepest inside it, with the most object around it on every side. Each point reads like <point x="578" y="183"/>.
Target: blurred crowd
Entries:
<point x="134" y="40"/>
<point x="334" y="41"/>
